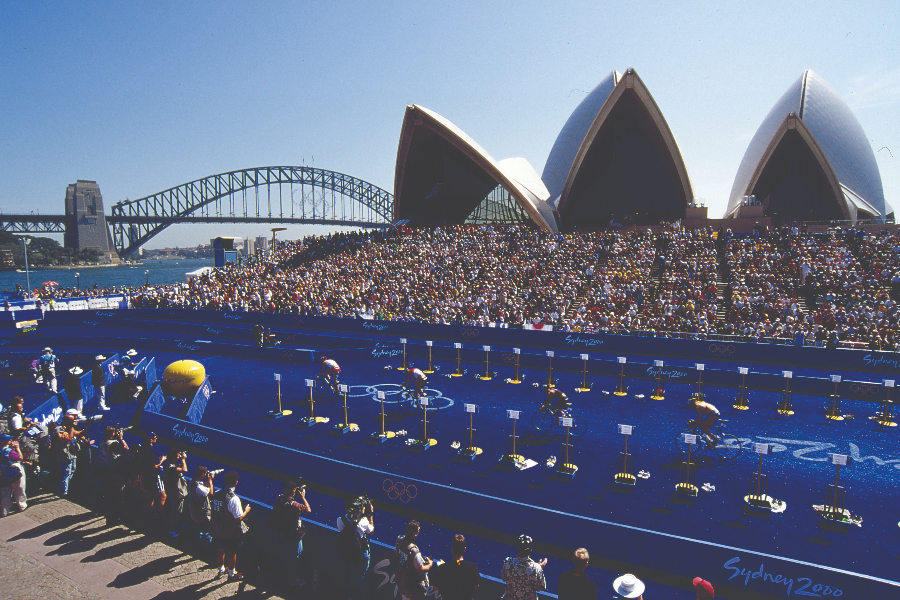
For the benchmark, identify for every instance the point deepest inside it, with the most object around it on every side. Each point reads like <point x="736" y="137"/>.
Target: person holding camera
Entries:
<point x="200" y="491"/>
<point x="148" y="469"/>
<point x="285" y="520"/>
<point x="111" y="479"/>
<point x="66" y="440"/>
<point x="228" y="526"/>
<point x="354" y="528"/>
<point x="12" y="475"/>
<point x="412" y="567"/>
<point x="176" y="488"/>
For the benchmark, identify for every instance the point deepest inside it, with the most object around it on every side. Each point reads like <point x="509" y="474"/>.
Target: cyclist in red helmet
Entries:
<point x="330" y="371"/>
<point x="418" y="379"/>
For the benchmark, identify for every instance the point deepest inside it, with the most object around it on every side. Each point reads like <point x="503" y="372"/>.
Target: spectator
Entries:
<point x="359" y="521"/>
<point x="176" y="488"/>
<point x="47" y="364"/>
<point x="66" y="439"/>
<point x="524" y="576"/>
<point x="574" y="584"/>
<point x="110" y="471"/>
<point x="149" y="466"/>
<point x="412" y="567"/>
<point x="28" y="432"/>
<point x="200" y="491"/>
<point x="72" y="387"/>
<point x="285" y="520"/>
<point x="457" y="579"/>
<point x="98" y="380"/>
<point x="12" y="474"/>
<point x="629" y="586"/>
<point x="704" y="589"/>
<point x="228" y="527"/>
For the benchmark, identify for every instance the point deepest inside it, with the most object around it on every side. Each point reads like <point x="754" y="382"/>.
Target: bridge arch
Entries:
<point x="223" y="198"/>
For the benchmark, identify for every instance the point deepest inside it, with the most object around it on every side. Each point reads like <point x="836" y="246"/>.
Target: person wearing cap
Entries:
<point x="523" y="575"/>
<point x="10" y="460"/>
<point x="98" y="380"/>
<point x="127" y="362"/>
<point x="704" y="589"/>
<point x="290" y="531"/>
<point x="574" y="584"/>
<point x="629" y="586"/>
<point x="72" y="388"/>
<point x="47" y="365"/>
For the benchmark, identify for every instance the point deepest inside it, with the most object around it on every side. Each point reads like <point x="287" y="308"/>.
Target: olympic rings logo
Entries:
<point x="862" y="389"/>
<point x="507" y="358"/>
<point x="721" y="350"/>
<point x="469" y="332"/>
<point x="399" y="490"/>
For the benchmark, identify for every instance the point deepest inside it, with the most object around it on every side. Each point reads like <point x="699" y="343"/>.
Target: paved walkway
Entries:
<point x="60" y="550"/>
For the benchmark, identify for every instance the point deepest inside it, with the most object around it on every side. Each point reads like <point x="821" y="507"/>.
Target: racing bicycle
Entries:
<point x="325" y="387"/>
<point x="545" y="418"/>
<point x="407" y="398"/>
<point x="725" y="445"/>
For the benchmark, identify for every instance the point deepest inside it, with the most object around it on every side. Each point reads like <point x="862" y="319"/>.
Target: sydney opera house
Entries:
<point x="616" y="157"/>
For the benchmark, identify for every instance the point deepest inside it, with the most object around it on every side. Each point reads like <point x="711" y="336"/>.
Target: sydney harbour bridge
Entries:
<point x="292" y="195"/>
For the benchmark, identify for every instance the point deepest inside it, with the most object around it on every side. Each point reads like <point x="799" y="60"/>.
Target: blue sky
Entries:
<point x="143" y="96"/>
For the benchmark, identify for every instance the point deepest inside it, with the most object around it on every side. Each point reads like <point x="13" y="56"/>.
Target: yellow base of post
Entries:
<point x="567" y="469"/>
<point x="741" y="407"/>
<point x="762" y="501"/>
<point x="456" y="374"/>
<point x="686" y="489"/>
<point x="626" y="478"/>
<point x="657" y="397"/>
<point x="514" y="381"/>
<point x="883" y="422"/>
<point x="617" y="393"/>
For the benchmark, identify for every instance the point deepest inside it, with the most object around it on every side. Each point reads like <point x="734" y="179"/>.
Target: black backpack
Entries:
<point x="281" y="518"/>
<point x="349" y="543"/>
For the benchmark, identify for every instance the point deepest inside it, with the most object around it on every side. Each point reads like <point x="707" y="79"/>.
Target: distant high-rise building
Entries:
<point x="249" y="247"/>
<point x="87" y="221"/>
<point x="262" y="243"/>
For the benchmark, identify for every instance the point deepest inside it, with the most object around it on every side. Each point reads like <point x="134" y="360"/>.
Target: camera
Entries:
<point x="360" y="506"/>
<point x="123" y="429"/>
<point x="215" y="472"/>
<point x="90" y="419"/>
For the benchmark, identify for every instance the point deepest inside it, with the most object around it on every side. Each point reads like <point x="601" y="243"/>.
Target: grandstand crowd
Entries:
<point x="836" y="288"/>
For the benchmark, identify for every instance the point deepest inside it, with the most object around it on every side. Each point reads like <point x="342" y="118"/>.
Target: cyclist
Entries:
<point x="707" y="416"/>
<point x="418" y="379"/>
<point x="330" y="371"/>
<point x="556" y="401"/>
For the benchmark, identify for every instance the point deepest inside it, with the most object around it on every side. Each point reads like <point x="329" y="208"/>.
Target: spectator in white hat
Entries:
<point x="629" y="586"/>
<point x="98" y="379"/>
<point x="72" y="387"/>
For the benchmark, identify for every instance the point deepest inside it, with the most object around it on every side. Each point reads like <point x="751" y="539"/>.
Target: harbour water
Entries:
<point x="158" y="272"/>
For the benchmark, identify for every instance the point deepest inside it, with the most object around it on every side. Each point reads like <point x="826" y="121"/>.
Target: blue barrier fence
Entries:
<point x="700" y="350"/>
<point x="194" y="411"/>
